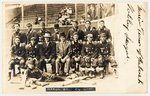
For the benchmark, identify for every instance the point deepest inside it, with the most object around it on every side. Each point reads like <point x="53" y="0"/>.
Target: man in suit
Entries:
<point x="48" y="53"/>
<point x="17" y="56"/>
<point x="63" y="56"/>
<point x="56" y="34"/>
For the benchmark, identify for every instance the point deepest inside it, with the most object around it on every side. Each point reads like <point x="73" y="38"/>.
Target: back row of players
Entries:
<point x="87" y="51"/>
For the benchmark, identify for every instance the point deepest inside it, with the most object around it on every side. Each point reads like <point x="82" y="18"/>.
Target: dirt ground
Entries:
<point x="99" y="84"/>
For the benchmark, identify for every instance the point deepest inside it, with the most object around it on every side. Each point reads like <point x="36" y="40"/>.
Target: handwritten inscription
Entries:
<point x="140" y="57"/>
<point x="127" y="25"/>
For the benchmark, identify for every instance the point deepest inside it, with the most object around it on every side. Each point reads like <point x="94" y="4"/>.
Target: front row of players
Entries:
<point x="86" y="57"/>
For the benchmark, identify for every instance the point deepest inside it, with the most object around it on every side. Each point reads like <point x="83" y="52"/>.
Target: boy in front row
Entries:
<point x="34" y="77"/>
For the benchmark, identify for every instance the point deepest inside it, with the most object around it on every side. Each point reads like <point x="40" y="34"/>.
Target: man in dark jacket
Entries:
<point x="31" y="33"/>
<point x="17" y="32"/>
<point x="48" y="53"/>
<point x="56" y="34"/>
<point x="75" y="28"/>
<point x="103" y="29"/>
<point x="89" y="30"/>
<point x="17" y="56"/>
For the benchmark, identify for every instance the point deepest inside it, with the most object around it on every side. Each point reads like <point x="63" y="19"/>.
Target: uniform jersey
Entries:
<point x="89" y="49"/>
<point x="18" y="50"/>
<point x="105" y="49"/>
<point x="33" y="51"/>
<point x="76" y="48"/>
<point x="34" y="73"/>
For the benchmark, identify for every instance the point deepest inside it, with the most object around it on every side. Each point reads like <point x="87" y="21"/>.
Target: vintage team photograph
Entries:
<point x="74" y="47"/>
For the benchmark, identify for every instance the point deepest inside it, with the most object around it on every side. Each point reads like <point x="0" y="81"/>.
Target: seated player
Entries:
<point x="17" y="56"/>
<point x="89" y="57"/>
<point x="33" y="51"/>
<point x="105" y="56"/>
<point x="63" y="56"/>
<point x="76" y="47"/>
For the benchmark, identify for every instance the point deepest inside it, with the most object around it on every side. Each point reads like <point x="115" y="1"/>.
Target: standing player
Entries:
<point x="74" y="29"/>
<point x="103" y="29"/>
<point x="56" y="34"/>
<point x="42" y="31"/>
<point x="90" y="30"/>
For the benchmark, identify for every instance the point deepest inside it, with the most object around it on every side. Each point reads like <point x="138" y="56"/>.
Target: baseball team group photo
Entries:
<point x="66" y="43"/>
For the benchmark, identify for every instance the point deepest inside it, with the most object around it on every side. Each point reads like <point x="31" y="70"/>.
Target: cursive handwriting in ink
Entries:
<point x="140" y="57"/>
<point x="127" y="25"/>
<point x="126" y="43"/>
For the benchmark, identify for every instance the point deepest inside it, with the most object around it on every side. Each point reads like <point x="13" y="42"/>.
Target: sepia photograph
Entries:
<point x="75" y="47"/>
